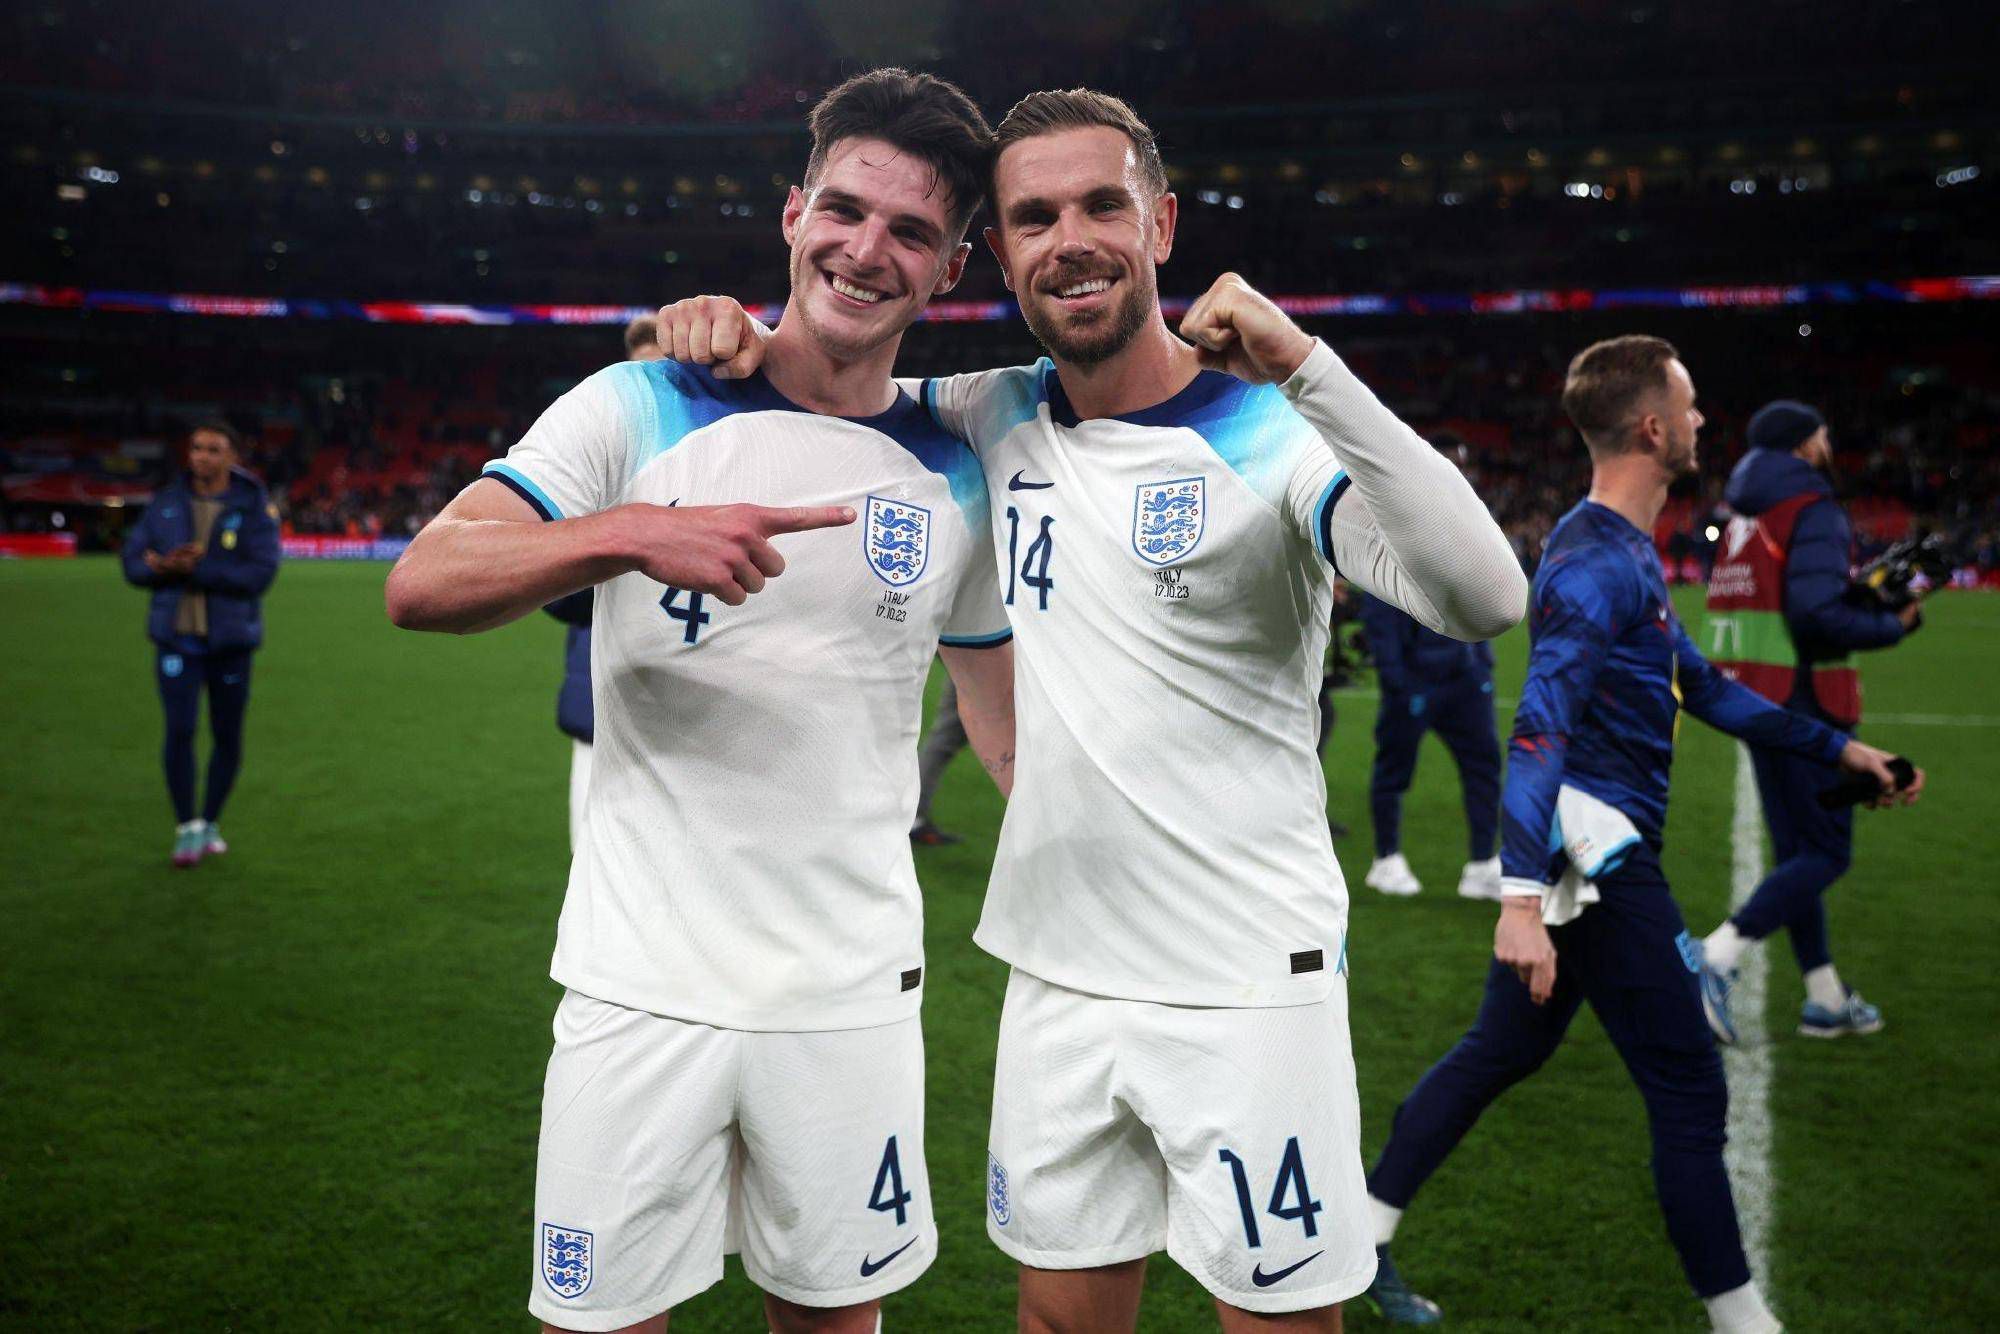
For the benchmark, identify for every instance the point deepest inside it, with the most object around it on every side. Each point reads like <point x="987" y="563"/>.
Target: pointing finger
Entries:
<point x="800" y="518"/>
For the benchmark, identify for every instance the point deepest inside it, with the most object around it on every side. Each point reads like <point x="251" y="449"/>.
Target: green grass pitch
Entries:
<point x="298" y="1088"/>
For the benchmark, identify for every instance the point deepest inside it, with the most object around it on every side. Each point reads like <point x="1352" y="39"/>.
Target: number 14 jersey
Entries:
<point x="1167" y="576"/>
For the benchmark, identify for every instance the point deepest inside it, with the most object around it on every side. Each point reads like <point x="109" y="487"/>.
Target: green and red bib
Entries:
<point x="1747" y="638"/>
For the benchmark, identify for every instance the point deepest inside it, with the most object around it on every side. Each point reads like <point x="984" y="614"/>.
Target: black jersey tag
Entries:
<point x="1308" y="961"/>
<point x="912" y="977"/>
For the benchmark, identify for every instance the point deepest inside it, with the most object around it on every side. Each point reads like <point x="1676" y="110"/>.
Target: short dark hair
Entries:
<point x="1605" y="383"/>
<point x="219" y="427"/>
<point x="641" y="332"/>
<point x="1052" y="112"/>
<point x="919" y="113"/>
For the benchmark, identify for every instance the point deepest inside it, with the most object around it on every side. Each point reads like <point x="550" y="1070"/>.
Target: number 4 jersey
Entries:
<point x="745" y="860"/>
<point x="1167" y="573"/>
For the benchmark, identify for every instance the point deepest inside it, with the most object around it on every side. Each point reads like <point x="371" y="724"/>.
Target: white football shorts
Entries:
<point x="666" y="1143"/>
<point x="1229" y="1138"/>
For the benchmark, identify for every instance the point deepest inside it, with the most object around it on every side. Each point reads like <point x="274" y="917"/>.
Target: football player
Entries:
<point x="1174" y="1070"/>
<point x="737" y="1060"/>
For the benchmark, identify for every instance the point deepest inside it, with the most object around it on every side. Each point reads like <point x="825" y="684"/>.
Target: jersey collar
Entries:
<point x="1205" y="388"/>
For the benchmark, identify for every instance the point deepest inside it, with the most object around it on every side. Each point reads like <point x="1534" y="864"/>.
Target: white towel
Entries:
<point x="1597" y="836"/>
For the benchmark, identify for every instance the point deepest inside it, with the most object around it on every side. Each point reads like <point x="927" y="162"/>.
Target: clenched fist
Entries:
<point x="1238" y="329"/>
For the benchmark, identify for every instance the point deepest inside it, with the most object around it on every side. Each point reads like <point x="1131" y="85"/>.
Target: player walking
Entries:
<point x="208" y="549"/>
<point x="737" y="1060"/>
<point x="1608" y="673"/>
<point x="1174" y="1070"/>
<point x="1431" y="683"/>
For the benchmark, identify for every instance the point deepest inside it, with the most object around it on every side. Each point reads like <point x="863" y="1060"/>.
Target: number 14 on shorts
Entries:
<point x="1291" y="1197"/>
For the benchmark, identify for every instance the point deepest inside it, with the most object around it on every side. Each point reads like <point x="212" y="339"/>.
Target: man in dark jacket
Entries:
<point x="1789" y="552"/>
<point x="575" y="715"/>
<point x="208" y="548"/>
<point x="1432" y="683"/>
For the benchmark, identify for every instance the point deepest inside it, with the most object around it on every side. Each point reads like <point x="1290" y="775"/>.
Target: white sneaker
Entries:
<point x="1392" y="875"/>
<point x="1480" y="880"/>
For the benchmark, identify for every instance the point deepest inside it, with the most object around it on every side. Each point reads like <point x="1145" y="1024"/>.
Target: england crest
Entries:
<point x="566" y="1256"/>
<point x="898" y="540"/>
<point x="996" y="1191"/>
<point x="1167" y="519"/>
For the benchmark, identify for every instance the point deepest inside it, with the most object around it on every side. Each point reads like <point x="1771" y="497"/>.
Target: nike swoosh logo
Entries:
<point x="1264" y="1280"/>
<point x="1015" y="483"/>
<point x="869" y="1266"/>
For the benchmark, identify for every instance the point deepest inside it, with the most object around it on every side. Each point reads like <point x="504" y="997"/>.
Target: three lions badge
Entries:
<point x="898" y="540"/>
<point x="566" y="1260"/>
<point x="1167" y="519"/>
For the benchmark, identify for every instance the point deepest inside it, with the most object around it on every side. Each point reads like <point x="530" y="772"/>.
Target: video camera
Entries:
<point x="1886" y="581"/>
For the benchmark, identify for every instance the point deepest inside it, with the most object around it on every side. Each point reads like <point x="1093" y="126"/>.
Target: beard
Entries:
<point x="1099" y="338"/>
<point x="1683" y="462"/>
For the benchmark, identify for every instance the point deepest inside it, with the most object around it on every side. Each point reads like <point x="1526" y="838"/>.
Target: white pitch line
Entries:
<point x="1748" y="1063"/>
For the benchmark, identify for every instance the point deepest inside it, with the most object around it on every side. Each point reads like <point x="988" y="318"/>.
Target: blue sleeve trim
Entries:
<point x="1323" y="516"/>
<point x="994" y="640"/>
<point x="929" y="391"/>
<point x="524" y="488"/>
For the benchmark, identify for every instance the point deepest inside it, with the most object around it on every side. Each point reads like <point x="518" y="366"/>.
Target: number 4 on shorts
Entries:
<point x="889" y="1194"/>
<point x="1291" y="1181"/>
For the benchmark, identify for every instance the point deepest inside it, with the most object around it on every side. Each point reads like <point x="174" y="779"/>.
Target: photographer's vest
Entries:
<point x="1748" y="639"/>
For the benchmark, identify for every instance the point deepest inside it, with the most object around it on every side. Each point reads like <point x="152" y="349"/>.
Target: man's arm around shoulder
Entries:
<point x="985" y="681"/>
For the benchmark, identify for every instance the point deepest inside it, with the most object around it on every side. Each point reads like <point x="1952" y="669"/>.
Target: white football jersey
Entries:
<point x="745" y="859"/>
<point x="1167" y="574"/>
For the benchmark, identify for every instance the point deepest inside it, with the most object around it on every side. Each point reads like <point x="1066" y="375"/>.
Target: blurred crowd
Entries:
<point x="367" y="432"/>
<point x="536" y="151"/>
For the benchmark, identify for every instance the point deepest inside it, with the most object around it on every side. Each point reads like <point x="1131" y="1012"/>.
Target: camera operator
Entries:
<point x="1785" y="619"/>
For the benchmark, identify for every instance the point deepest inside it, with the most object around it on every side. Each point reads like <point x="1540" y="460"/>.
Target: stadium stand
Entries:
<point x="559" y="153"/>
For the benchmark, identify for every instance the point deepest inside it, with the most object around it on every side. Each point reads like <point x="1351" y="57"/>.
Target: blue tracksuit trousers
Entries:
<point x="1462" y="715"/>
<point x="183" y="673"/>
<point x="1811" y="848"/>
<point x="1631" y="958"/>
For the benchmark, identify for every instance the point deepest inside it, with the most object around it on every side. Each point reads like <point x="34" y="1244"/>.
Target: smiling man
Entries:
<point x="1174" y="1071"/>
<point x="738" y="1063"/>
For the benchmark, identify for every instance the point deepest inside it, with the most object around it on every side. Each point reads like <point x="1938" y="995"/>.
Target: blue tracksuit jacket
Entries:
<point x="1413" y="660"/>
<point x="1608" y="673"/>
<point x="575" y="714"/>
<point x="241" y="561"/>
